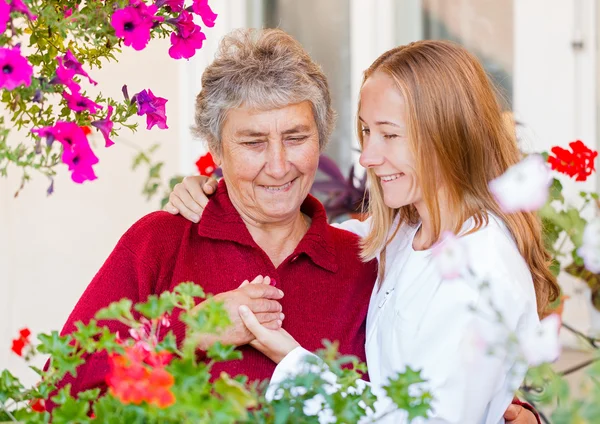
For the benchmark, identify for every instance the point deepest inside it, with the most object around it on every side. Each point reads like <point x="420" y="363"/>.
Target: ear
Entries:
<point x="217" y="159"/>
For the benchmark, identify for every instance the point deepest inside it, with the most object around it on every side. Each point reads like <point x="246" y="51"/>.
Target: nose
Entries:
<point x="371" y="155"/>
<point x="277" y="162"/>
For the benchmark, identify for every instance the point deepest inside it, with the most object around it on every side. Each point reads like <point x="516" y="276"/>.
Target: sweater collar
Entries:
<point x="221" y="221"/>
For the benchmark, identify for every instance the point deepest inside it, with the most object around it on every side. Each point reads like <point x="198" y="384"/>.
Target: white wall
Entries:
<point x="555" y="97"/>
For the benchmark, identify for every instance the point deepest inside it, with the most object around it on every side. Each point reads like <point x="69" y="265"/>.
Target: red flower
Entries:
<point x="19" y="343"/>
<point x="131" y="380"/>
<point x="38" y="405"/>
<point x="577" y="163"/>
<point x="206" y="165"/>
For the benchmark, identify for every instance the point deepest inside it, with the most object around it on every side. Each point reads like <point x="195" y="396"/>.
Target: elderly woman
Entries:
<point x="266" y="113"/>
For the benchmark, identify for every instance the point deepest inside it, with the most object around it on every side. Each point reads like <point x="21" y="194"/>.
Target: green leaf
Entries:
<point x="220" y="352"/>
<point x="235" y="394"/>
<point x="116" y="310"/>
<point x="155" y="307"/>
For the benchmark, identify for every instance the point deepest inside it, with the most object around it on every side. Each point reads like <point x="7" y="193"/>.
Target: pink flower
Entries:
<point x="71" y="62"/>
<point x="105" y="127"/>
<point x="15" y="69"/>
<point x="153" y="107"/>
<point x="80" y="160"/>
<point x="133" y="23"/>
<point x="65" y="76"/>
<point x="202" y="9"/>
<point x="79" y="103"/>
<point x="186" y="46"/>
<point x="184" y="23"/>
<point x="77" y="153"/>
<point x="19" y="6"/>
<point x="4" y="15"/>
<point x="173" y="5"/>
<point x="450" y="256"/>
<point x="524" y="186"/>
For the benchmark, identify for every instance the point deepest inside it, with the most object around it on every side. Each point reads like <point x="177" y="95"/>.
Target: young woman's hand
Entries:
<point x="189" y="197"/>
<point x="274" y="344"/>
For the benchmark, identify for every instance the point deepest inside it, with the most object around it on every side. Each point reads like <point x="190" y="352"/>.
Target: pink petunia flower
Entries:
<point x="202" y="9"/>
<point x="71" y="62"/>
<point x="78" y="103"/>
<point x="19" y="6"/>
<point x="77" y="154"/>
<point x="134" y="22"/>
<point x="15" y="69"/>
<point x="65" y="77"/>
<point x="4" y="15"/>
<point x="173" y="5"/>
<point x="105" y="127"/>
<point x="80" y="160"/>
<point x="153" y="107"/>
<point x="186" y="46"/>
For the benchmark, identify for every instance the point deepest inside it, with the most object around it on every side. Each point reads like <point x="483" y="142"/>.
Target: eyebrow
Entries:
<point x="294" y="130"/>
<point x="383" y="123"/>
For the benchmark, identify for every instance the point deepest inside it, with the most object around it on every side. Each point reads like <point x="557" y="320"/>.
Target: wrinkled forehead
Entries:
<point x="247" y="121"/>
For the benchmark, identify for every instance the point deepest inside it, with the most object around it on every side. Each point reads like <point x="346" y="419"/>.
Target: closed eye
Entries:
<point x="390" y="136"/>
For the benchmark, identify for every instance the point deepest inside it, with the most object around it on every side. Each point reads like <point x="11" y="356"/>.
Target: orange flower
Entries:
<point x="131" y="380"/>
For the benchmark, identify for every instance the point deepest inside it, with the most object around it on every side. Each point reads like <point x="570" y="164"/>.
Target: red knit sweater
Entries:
<point x="326" y="286"/>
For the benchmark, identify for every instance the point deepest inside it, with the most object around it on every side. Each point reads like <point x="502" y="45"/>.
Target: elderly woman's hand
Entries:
<point x="260" y="298"/>
<point x="190" y="196"/>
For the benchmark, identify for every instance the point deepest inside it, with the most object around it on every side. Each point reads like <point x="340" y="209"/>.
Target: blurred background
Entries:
<point x="542" y="54"/>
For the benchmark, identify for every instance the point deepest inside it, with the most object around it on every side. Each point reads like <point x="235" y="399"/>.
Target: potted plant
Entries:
<point x="341" y="196"/>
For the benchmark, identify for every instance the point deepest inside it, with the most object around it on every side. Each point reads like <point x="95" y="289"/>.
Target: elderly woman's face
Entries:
<point x="269" y="160"/>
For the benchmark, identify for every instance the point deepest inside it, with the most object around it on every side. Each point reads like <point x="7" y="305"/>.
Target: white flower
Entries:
<point x="591" y="233"/>
<point x="542" y="345"/>
<point x="524" y="186"/>
<point x="450" y="256"/>
<point x="590" y="249"/>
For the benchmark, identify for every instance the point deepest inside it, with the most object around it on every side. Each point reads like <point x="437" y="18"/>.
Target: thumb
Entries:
<point x="512" y="412"/>
<point x="252" y="323"/>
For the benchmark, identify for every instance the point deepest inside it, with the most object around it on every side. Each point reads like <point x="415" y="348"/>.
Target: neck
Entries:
<point x="278" y="239"/>
<point x="426" y="237"/>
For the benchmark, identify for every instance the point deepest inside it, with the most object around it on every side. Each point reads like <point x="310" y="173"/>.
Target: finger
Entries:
<point x="183" y="209"/>
<point x="512" y="412"/>
<point x="252" y="323"/>
<point x="171" y="209"/>
<point x="272" y="325"/>
<point x="195" y="188"/>
<point x="264" y="305"/>
<point x="264" y="317"/>
<point x="256" y="291"/>
<point x="210" y="186"/>
<point x="261" y="280"/>
<point x="245" y="283"/>
<point x="182" y="191"/>
<point x="257" y="280"/>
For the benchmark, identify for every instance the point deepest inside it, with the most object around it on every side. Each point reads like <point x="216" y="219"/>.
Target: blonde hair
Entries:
<point x="458" y="135"/>
<point x="263" y="69"/>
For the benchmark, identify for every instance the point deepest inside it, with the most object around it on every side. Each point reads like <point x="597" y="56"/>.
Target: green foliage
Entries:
<point x="200" y="397"/>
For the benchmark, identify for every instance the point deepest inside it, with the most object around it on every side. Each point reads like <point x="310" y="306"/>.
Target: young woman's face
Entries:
<point x="386" y="148"/>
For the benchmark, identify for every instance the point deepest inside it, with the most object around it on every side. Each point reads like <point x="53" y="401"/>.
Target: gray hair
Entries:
<point x="263" y="69"/>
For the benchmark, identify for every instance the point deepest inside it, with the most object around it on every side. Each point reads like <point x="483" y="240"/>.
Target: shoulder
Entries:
<point x="494" y="258"/>
<point x="157" y="230"/>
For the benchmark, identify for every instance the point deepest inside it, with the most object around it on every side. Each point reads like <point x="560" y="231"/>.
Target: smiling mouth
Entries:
<point x="279" y="188"/>
<point x="388" y="178"/>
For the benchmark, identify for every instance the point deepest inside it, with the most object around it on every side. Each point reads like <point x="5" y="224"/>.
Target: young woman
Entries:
<point x="432" y="138"/>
